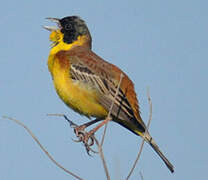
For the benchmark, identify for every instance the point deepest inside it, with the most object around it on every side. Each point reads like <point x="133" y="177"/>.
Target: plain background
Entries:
<point x="160" y="44"/>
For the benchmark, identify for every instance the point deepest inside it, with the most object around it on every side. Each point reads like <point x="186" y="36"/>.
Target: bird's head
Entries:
<point x="69" y="31"/>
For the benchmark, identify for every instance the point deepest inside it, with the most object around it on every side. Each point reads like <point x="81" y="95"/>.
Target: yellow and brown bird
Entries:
<point x="88" y="84"/>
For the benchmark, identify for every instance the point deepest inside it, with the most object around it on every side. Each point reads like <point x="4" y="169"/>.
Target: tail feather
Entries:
<point x="162" y="156"/>
<point x="153" y="144"/>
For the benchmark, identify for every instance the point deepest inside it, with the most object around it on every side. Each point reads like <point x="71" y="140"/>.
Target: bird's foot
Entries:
<point x="87" y="138"/>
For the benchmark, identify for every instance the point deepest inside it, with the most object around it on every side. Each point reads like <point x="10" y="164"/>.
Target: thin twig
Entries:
<point x="141" y="175"/>
<point x="136" y="161"/>
<point x="71" y="123"/>
<point x="105" y="128"/>
<point x="150" y="109"/>
<point x="42" y="148"/>
<point x="100" y="149"/>
<point x="111" y="108"/>
<point x="146" y="130"/>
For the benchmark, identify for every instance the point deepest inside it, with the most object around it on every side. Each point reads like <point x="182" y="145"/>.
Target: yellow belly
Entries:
<point x="78" y="96"/>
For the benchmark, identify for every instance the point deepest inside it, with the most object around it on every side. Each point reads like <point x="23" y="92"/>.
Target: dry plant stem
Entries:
<point x="108" y="118"/>
<point x="109" y="113"/>
<point x="142" y="144"/>
<point x="136" y="161"/>
<point x="72" y="124"/>
<point x="142" y="178"/>
<point x="42" y="148"/>
<point x="103" y="159"/>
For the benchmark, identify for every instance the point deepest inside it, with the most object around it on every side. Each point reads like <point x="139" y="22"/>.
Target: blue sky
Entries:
<point x="160" y="44"/>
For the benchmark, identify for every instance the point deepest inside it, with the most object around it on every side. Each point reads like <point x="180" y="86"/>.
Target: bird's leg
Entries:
<point x="85" y="136"/>
<point x="71" y="123"/>
<point x="82" y="134"/>
<point x="90" y="134"/>
<point x="81" y="128"/>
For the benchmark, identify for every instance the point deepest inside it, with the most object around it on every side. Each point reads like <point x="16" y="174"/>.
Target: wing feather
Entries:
<point x="89" y="68"/>
<point x="107" y="89"/>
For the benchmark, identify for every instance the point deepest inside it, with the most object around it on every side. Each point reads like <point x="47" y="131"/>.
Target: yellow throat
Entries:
<point x="58" y="44"/>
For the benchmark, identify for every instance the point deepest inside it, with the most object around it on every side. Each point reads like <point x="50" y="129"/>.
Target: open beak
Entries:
<point x="53" y="28"/>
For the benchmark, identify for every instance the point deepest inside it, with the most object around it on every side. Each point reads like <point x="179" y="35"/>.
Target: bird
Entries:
<point x="88" y="84"/>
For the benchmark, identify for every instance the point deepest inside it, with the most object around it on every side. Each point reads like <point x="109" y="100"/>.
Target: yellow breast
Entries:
<point x="78" y="96"/>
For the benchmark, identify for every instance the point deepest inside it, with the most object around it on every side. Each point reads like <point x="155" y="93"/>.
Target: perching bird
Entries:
<point x="87" y="83"/>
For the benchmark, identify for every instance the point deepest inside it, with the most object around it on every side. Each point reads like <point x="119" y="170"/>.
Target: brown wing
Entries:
<point x="89" y="68"/>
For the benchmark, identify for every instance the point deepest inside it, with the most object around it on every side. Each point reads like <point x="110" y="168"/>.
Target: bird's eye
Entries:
<point x="68" y="26"/>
